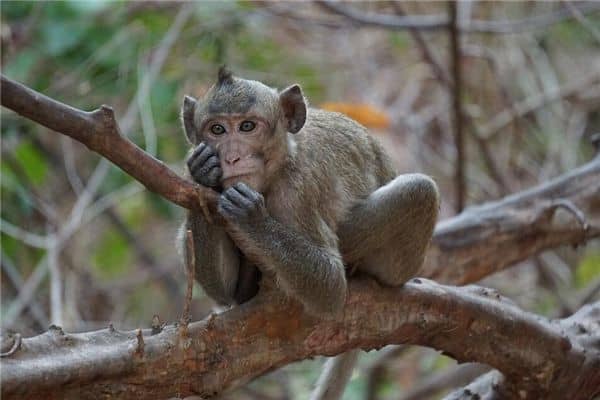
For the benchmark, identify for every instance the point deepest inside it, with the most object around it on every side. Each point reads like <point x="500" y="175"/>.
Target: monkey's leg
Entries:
<point x="247" y="284"/>
<point x="217" y="259"/>
<point x="387" y="234"/>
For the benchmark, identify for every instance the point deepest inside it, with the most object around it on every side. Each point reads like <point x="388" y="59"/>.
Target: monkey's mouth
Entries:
<point x="232" y="179"/>
<point x="237" y="176"/>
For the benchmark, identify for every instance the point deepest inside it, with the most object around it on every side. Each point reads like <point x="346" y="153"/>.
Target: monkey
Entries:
<point x="305" y="194"/>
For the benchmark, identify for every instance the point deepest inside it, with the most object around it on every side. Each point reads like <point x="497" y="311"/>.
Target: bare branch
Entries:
<point x="490" y="237"/>
<point x="441" y="22"/>
<point x="99" y="131"/>
<point x="449" y="378"/>
<point x="424" y="22"/>
<point x="457" y="115"/>
<point x="532" y="103"/>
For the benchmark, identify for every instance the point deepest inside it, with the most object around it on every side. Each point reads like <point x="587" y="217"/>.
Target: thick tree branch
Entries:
<point x="581" y="329"/>
<point x="99" y="131"/>
<point x="244" y="342"/>
<point x="488" y="238"/>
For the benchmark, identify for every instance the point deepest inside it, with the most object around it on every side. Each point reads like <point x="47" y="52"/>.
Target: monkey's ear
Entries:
<point x="294" y="108"/>
<point x="187" y="117"/>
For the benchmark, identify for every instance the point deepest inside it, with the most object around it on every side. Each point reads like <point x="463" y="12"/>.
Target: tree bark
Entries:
<point x="547" y="359"/>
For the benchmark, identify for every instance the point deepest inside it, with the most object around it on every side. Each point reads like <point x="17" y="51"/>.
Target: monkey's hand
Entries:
<point x="204" y="166"/>
<point x="243" y="208"/>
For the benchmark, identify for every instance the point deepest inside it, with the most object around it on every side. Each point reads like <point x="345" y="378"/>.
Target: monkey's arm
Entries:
<point x="309" y="272"/>
<point x="217" y="260"/>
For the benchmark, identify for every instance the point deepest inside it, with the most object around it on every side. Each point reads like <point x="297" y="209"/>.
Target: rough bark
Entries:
<point x="581" y="330"/>
<point x="546" y="360"/>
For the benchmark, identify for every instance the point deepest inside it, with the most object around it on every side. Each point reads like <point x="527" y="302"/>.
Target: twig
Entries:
<point x="580" y="17"/>
<point x="375" y="371"/>
<point x="13" y="274"/>
<point x="56" y="281"/>
<point x="190" y="264"/>
<point x="16" y="344"/>
<point x="443" y="78"/>
<point x="423" y="22"/>
<point x="449" y="378"/>
<point x="534" y="102"/>
<point x="441" y="22"/>
<point x="457" y="120"/>
<point x="30" y="239"/>
<point x="27" y="292"/>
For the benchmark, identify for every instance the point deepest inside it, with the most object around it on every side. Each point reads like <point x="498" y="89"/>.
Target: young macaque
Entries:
<point x="305" y="193"/>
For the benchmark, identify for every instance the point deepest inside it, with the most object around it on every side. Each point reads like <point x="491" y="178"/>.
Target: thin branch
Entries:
<point x="447" y="379"/>
<point x="189" y="273"/>
<point x="423" y="22"/>
<point x="532" y="103"/>
<point x="376" y="370"/>
<point x="581" y="18"/>
<point x="441" y="75"/>
<point x="56" y="280"/>
<point x="14" y="276"/>
<point x="457" y="114"/>
<point x="441" y="22"/>
<point x="98" y="130"/>
<point x="26" y="293"/>
<point x="29" y="238"/>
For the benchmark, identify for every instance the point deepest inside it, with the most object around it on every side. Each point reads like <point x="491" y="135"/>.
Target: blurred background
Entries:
<point x="83" y="244"/>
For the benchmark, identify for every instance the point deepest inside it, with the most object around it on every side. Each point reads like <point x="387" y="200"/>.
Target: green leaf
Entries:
<point x="112" y="256"/>
<point x="32" y="161"/>
<point x="588" y="270"/>
<point x="20" y="65"/>
<point x="59" y="37"/>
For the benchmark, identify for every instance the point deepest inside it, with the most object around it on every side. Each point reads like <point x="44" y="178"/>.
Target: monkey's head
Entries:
<point x="247" y="123"/>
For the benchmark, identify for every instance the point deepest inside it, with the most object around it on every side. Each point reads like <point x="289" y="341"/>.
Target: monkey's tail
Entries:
<point x="335" y="376"/>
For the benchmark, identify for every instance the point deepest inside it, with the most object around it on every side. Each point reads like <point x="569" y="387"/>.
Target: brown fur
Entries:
<point x="328" y="197"/>
<point x="330" y="191"/>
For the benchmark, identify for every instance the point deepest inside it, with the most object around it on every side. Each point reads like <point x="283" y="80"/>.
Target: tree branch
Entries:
<point x="490" y="237"/>
<point x="457" y="114"/>
<point x="244" y="342"/>
<point x="580" y="329"/>
<point x="99" y="131"/>
<point x="440" y="22"/>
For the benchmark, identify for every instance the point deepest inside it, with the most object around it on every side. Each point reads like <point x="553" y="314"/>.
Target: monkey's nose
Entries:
<point x="232" y="159"/>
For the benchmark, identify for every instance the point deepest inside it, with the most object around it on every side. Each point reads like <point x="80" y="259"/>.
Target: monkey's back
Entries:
<point x="335" y="164"/>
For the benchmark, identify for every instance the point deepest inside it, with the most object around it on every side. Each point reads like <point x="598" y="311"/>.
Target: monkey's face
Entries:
<point x="239" y="141"/>
<point x="247" y="123"/>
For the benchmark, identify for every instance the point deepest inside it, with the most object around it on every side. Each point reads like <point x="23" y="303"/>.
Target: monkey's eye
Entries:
<point x="247" y="126"/>
<point x="217" y="129"/>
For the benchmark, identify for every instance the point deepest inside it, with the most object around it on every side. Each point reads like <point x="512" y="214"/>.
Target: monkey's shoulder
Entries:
<point x="334" y="143"/>
<point x="335" y="164"/>
<point x="333" y="127"/>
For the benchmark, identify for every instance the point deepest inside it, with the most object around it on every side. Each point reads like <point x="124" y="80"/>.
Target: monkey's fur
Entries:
<point x="304" y="193"/>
